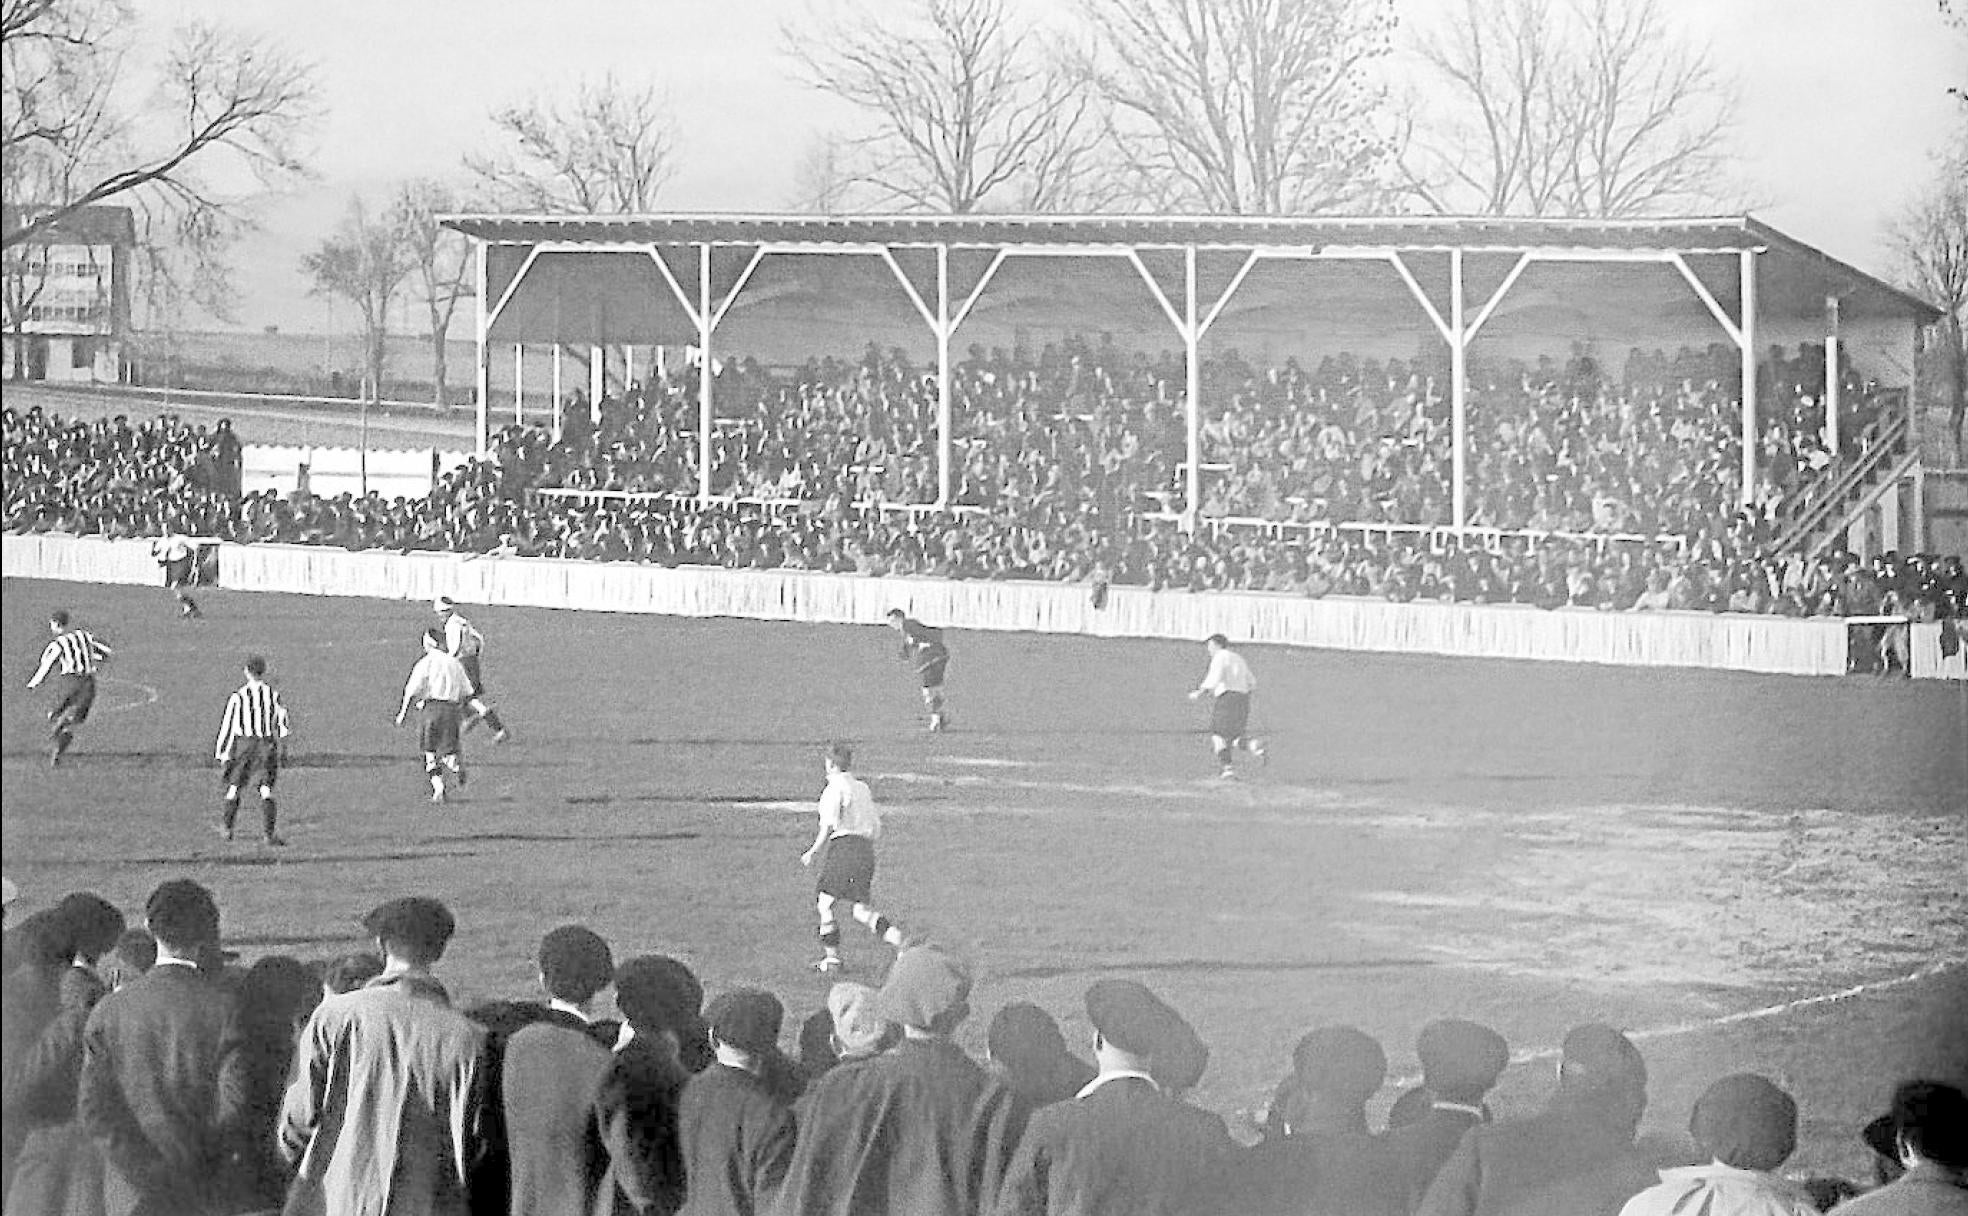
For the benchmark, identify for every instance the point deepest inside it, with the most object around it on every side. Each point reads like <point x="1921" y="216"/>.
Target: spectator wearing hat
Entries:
<point x="47" y="1002"/>
<point x="946" y="1128"/>
<point x="859" y="1032"/>
<point x="384" y="1112"/>
<point x="1318" y="1155"/>
<point x="1747" y="1127"/>
<point x="1121" y="1145"/>
<point x="549" y="1077"/>
<point x="1030" y="1056"/>
<point x="1460" y="1063"/>
<point x="1178" y="1063"/>
<point x="161" y="1089"/>
<point x="737" y="1128"/>
<point x="641" y="1094"/>
<point x="1575" y="1156"/>
<point x="1928" y="1129"/>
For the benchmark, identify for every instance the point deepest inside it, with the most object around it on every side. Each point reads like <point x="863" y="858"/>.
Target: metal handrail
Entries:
<point x="1884" y="440"/>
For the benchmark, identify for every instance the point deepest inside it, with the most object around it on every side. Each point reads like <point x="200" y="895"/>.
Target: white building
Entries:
<point x="65" y="297"/>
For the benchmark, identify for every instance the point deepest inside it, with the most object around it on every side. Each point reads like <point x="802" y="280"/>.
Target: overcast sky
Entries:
<point x="1842" y="102"/>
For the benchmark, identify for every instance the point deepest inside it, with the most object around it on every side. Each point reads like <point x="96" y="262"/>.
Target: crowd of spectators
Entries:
<point x="1586" y="491"/>
<point x="151" y="1071"/>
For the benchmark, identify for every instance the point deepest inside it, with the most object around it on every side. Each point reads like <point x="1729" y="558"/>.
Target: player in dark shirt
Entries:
<point x="922" y="646"/>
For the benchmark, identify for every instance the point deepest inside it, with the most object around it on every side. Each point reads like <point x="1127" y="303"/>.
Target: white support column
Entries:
<point x="1192" y="344"/>
<point x="704" y="323"/>
<point x="1831" y="394"/>
<point x="519" y="384"/>
<point x="597" y="381"/>
<point x="1749" y="430"/>
<point x="945" y="409"/>
<point x="628" y="366"/>
<point x="1458" y="398"/>
<point x="482" y="385"/>
<point x="559" y="394"/>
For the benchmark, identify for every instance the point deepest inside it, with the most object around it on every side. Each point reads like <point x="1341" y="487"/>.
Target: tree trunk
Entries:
<point x="438" y="365"/>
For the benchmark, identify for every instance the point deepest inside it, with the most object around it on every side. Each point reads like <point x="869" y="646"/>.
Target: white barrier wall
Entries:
<point x="1930" y="662"/>
<point x="1663" y="639"/>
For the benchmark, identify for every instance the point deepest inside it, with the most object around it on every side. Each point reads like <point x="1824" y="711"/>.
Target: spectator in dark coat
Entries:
<point x="1460" y="1062"/>
<point x="1031" y="1057"/>
<point x="1320" y="1159"/>
<point x="162" y="1086"/>
<point x="1575" y="1158"/>
<point x="553" y="1069"/>
<point x="637" y="1105"/>
<point x="1929" y="1130"/>
<point x="275" y="999"/>
<point x="736" y="1129"/>
<point x="947" y="1128"/>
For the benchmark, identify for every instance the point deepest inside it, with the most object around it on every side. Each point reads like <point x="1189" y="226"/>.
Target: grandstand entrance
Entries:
<point x="709" y="288"/>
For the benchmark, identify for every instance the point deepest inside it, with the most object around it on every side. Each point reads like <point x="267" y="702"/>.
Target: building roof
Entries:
<point x="101" y="224"/>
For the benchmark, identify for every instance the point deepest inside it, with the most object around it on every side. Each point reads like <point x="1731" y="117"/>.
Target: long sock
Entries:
<point x="62" y="737"/>
<point x="884" y="929"/>
<point x="1223" y="755"/>
<point x="491" y="717"/>
<point x="229" y="811"/>
<point x="269" y="814"/>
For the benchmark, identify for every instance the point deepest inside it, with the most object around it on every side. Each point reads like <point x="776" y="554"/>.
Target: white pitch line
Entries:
<point x="150" y="695"/>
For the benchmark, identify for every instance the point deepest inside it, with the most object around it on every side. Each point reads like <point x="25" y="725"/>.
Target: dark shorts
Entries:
<point x="177" y="573"/>
<point x="929" y="669"/>
<point x="847" y="868"/>
<point x="1230" y="715"/>
<point x="251" y="757"/>
<point x="437" y="732"/>
<point x="75" y="696"/>
<point x="477" y="677"/>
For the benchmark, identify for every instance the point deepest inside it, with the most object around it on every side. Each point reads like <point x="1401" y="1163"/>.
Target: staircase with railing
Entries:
<point x="1817" y="519"/>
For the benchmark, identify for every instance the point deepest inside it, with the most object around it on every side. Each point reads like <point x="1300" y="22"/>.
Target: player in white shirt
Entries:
<point x="850" y="823"/>
<point x="439" y="685"/>
<point x="1230" y="681"/>
<point x="463" y="642"/>
<point x="178" y="558"/>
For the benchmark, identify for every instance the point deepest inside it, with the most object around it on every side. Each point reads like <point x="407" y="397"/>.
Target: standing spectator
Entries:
<point x="382" y="1116"/>
<point x="1460" y="1062"/>
<point x="643" y="1087"/>
<point x="1929" y="1127"/>
<point x="1747" y="1127"/>
<point x="736" y="1129"/>
<point x="945" y="1129"/>
<point x="162" y="1085"/>
<point x="135" y="954"/>
<point x="551" y="1073"/>
<point x="1121" y="1146"/>
<point x="1321" y="1157"/>
<point x="275" y="998"/>
<point x="1031" y="1056"/>
<point x="1576" y="1156"/>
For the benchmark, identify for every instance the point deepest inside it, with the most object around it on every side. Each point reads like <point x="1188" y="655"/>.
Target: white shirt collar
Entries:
<point x="1116" y="1075"/>
<point x="569" y="1007"/>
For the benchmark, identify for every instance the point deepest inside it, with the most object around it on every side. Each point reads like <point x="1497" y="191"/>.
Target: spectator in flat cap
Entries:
<point x="1318" y="1155"/>
<point x="385" y="1110"/>
<point x="1928" y="1126"/>
<point x="641" y="1094"/>
<point x="1460" y="1062"/>
<point x="1031" y="1057"/>
<point x="859" y="1031"/>
<point x="162" y="1084"/>
<point x="736" y="1127"/>
<point x="947" y="1126"/>
<point x="549" y="1077"/>
<point x="47" y="1002"/>
<point x="1121" y="1146"/>
<point x="1746" y="1127"/>
<point x="1178" y="1063"/>
<point x="1575" y="1156"/>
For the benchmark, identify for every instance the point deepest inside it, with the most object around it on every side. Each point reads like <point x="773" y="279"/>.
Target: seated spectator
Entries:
<point x="1746" y="1127"/>
<point x="1029" y="1053"/>
<point x="1317" y="1155"/>
<point x="1460" y="1062"/>
<point x="1929" y="1126"/>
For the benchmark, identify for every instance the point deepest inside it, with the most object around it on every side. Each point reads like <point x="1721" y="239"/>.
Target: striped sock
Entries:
<point x="884" y="929"/>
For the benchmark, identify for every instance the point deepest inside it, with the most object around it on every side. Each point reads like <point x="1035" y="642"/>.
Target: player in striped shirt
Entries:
<point x="249" y="744"/>
<point x="922" y="646"/>
<point x="72" y="658"/>
<point x="463" y="642"/>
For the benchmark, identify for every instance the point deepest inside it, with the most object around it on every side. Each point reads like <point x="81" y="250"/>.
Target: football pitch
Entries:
<point x="1751" y="873"/>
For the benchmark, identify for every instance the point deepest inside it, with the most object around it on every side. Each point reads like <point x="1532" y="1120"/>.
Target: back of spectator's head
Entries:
<point x="134" y="954"/>
<point x="1127" y="1016"/>
<point x="575" y="963"/>
<point x="1024" y="1038"/>
<point x="1180" y="1059"/>
<point x="414" y="928"/>
<point x="927" y="989"/>
<point x="1410" y="1107"/>
<point x="1596" y="1057"/>
<point x="183" y="916"/>
<point x="277" y="992"/>
<point x="1745" y="1121"/>
<point x="817" y="1053"/>
<point x="83" y="925"/>
<point x="858" y="1027"/>
<point x="1460" y="1060"/>
<point x="349" y="972"/>
<point x="1340" y="1062"/>
<point x="1928" y="1119"/>
<point x="748" y="1019"/>
<point x="657" y="993"/>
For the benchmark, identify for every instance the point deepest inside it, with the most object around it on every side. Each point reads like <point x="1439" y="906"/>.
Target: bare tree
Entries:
<point x="81" y="127"/>
<point x="24" y="273"/>
<point x="440" y="263"/>
<point x="821" y="182"/>
<point x="1243" y="106"/>
<point x="1929" y="240"/>
<point x="963" y="107"/>
<point x="365" y="262"/>
<point x="608" y="150"/>
<point x="1567" y="107"/>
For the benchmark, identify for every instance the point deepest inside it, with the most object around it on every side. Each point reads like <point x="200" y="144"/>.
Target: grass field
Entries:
<point x="1752" y="873"/>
